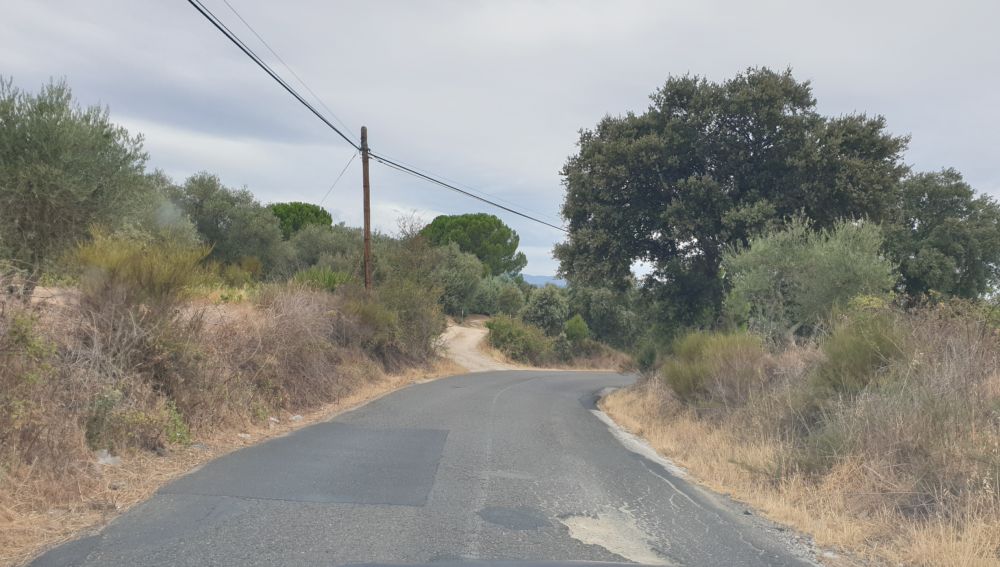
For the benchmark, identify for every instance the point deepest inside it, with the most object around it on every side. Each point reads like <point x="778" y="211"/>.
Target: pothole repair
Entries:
<point x="617" y="533"/>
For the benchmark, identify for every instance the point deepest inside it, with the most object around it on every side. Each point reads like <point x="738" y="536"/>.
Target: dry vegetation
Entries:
<point x="882" y="440"/>
<point x="512" y="339"/>
<point x="132" y="364"/>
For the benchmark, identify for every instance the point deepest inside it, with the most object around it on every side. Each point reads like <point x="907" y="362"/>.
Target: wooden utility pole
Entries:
<point x="368" y="208"/>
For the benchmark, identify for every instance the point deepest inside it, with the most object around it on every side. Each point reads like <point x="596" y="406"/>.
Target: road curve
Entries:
<point x="491" y="466"/>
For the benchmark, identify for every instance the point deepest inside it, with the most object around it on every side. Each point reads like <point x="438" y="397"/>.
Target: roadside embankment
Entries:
<point x="881" y="440"/>
<point x="106" y="397"/>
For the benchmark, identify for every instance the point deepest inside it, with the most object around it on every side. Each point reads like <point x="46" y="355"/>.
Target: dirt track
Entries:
<point x="463" y="345"/>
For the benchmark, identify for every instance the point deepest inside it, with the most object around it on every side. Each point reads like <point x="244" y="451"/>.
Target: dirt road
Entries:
<point x="463" y="345"/>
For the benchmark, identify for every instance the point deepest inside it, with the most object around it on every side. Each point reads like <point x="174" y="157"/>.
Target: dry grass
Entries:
<point x="188" y="382"/>
<point x="904" y="471"/>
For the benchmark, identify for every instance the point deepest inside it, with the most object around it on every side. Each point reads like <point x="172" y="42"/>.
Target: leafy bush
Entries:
<point x="609" y="314"/>
<point x="335" y="247"/>
<point x="645" y="360"/>
<point x="321" y="278"/>
<point x="458" y="274"/>
<point x="576" y="330"/>
<point x="421" y="321"/>
<point x="136" y="273"/>
<point x="546" y="309"/>
<point x="234" y="223"/>
<point x="510" y="300"/>
<point x="63" y="168"/>
<point x="498" y="294"/>
<point x="862" y="347"/>
<point x="793" y="278"/>
<point x="399" y="324"/>
<point x="519" y="341"/>
<point x="716" y="367"/>
<point x="234" y="275"/>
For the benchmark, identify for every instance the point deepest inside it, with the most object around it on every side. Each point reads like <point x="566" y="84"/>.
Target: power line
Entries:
<point x="215" y="21"/>
<point x="342" y="172"/>
<point x="219" y="25"/>
<point x="388" y="162"/>
<point x="468" y="187"/>
<point x="286" y="65"/>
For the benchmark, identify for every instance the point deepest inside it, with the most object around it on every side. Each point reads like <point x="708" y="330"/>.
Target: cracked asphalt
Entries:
<point x="491" y="466"/>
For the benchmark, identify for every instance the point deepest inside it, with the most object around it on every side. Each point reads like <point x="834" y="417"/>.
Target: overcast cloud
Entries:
<point x="491" y="94"/>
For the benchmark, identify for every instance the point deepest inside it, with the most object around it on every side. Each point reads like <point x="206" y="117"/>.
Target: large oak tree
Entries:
<point x="706" y="166"/>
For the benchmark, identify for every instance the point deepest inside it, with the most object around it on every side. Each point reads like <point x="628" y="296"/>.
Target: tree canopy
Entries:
<point x="706" y="166"/>
<point x="547" y="309"/>
<point x="791" y="279"/>
<point x="295" y="215"/>
<point x="237" y="226"/>
<point x="945" y="238"/>
<point x="63" y="168"/>
<point x="481" y="234"/>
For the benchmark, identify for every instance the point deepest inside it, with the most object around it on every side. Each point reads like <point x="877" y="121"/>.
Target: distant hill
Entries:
<point x="540" y="281"/>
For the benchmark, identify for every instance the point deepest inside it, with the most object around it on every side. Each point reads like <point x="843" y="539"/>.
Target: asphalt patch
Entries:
<point x="519" y="518"/>
<point x="327" y="463"/>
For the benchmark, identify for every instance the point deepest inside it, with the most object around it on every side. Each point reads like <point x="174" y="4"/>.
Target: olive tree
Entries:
<point x="547" y="308"/>
<point x="63" y="169"/>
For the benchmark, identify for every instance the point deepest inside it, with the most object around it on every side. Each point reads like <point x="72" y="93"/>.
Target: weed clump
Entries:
<point x="716" y="368"/>
<point x="519" y="340"/>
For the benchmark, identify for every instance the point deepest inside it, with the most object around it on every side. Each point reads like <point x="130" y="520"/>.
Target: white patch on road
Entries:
<point x="617" y="533"/>
<point x="638" y="445"/>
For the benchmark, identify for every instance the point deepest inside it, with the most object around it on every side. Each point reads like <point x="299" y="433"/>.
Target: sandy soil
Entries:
<point x="464" y="344"/>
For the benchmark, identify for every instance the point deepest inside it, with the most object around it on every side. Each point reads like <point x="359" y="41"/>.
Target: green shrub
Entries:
<point x="398" y="324"/>
<point x="510" y="300"/>
<point x="716" y="367"/>
<point x="421" y="321"/>
<point x="321" y="278"/>
<point x="547" y="309"/>
<point x="337" y="247"/>
<point x="151" y="275"/>
<point x="519" y="340"/>
<point x="235" y="276"/>
<point x="645" y="359"/>
<point x="457" y="274"/>
<point x="234" y="223"/>
<point x="576" y="330"/>
<point x="861" y="348"/>
<point x="610" y="314"/>
<point x="378" y="331"/>
<point x="791" y="279"/>
<point x="498" y="294"/>
<point x="130" y="300"/>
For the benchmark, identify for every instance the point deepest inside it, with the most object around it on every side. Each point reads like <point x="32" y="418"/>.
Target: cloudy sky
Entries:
<point x="491" y="94"/>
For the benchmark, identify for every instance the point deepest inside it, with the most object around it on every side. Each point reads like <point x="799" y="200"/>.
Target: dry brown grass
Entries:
<point x="224" y="369"/>
<point x="905" y="471"/>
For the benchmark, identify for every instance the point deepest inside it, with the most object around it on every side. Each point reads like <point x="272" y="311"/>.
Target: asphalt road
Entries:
<point x="508" y="465"/>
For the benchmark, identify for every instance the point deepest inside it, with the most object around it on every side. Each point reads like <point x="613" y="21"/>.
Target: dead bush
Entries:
<point x="288" y="353"/>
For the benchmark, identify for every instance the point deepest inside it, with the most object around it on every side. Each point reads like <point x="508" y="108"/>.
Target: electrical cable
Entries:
<point x="286" y="65"/>
<point x="342" y="172"/>
<point x="219" y="25"/>
<point x="385" y="161"/>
